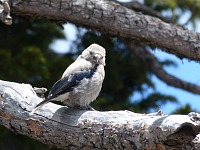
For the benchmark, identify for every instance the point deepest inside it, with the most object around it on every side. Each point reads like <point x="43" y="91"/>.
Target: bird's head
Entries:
<point x="95" y="54"/>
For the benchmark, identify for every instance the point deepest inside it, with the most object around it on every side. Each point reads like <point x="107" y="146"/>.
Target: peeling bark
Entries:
<point x="67" y="128"/>
<point x="115" y="20"/>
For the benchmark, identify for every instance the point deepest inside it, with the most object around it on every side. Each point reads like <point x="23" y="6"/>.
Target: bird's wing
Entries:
<point x="66" y="84"/>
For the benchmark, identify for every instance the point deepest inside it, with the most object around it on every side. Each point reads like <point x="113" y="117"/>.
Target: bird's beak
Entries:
<point x="97" y="57"/>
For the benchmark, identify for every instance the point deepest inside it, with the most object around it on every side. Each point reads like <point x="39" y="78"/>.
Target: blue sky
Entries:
<point x="186" y="70"/>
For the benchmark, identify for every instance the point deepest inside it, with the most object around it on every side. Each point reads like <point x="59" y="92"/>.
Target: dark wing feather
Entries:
<point x="67" y="84"/>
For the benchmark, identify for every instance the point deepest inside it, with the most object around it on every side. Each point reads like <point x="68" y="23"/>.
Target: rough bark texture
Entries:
<point x="78" y="129"/>
<point x="113" y="19"/>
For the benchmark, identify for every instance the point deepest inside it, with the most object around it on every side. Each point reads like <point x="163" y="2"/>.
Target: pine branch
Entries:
<point x="153" y="65"/>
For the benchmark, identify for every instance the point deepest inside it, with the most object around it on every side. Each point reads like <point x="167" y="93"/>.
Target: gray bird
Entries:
<point x="81" y="82"/>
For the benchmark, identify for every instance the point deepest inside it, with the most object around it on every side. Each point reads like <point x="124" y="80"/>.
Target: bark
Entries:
<point x="115" y="20"/>
<point x="154" y="66"/>
<point x="67" y="128"/>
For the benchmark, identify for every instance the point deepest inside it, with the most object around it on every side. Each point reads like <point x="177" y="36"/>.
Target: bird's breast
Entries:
<point x="88" y="89"/>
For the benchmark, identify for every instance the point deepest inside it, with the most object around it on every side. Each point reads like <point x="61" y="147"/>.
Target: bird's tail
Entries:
<point x="38" y="106"/>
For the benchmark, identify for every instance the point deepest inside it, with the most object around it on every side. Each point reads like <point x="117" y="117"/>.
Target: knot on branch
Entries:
<point x="40" y="91"/>
<point x="5" y="12"/>
<point x="195" y="117"/>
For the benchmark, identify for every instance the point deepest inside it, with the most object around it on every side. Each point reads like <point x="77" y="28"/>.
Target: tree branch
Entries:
<point x="113" y="19"/>
<point x="136" y="6"/>
<point x="67" y="128"/>
<point x="152" y="63"/>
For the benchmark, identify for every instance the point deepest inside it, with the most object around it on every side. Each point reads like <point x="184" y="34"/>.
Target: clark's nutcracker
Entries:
<point x="81" y="82"/>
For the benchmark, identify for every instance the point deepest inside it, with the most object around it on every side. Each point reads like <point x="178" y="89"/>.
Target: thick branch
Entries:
<point x="152" y="63"/>
<point x="114" y="19"/>
<point x="78" y="129"/>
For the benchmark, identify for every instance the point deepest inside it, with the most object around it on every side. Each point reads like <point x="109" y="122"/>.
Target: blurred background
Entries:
<point x="38" y="51"/>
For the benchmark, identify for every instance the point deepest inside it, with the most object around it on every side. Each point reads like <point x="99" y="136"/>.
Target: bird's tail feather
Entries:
<point x="38" y="106"/>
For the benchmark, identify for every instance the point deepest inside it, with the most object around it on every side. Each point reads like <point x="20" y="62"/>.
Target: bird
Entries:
<point x="81" y="82"/>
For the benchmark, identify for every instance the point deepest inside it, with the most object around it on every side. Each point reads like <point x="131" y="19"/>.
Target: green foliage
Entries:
<point x="177" y="8"/>
<point x="154" y="100"/>
<point x="25" y="53"/>
<point x="185" y="110"/>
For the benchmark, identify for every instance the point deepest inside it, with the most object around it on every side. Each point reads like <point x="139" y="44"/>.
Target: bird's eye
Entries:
<point x="91" y="53"/>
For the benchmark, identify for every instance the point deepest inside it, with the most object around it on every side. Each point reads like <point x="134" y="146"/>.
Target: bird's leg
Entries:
<point x="88" y="107"/>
